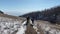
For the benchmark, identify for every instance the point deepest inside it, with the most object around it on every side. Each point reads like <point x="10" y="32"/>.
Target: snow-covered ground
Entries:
<point x="11" y="26"/>
<point x="22" y="29"/>
<point x="47" y="29"/>
<point x="8" y="26"/>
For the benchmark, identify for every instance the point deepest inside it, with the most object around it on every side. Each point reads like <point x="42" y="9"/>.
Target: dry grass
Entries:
<point x="13" y="17"/>
<point x="48" y="23"/>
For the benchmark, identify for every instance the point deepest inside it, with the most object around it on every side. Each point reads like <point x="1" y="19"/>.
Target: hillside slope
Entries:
<point x="10" y="24"/>
<point x="51" y="15"/>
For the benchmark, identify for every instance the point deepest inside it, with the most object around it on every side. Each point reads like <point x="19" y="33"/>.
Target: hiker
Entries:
<point x="27" y="20"/>
<point x="32" y="20"/>
<point x="29" y="27"/>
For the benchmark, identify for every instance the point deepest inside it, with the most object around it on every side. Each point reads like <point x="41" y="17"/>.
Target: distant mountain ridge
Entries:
<point x="52" y="14"/>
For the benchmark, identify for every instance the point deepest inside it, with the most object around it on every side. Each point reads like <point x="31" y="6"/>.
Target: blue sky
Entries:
<point x="19" y="7"/>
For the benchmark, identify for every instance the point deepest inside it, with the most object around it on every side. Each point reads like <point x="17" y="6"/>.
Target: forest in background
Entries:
<point x="52" y="15"/>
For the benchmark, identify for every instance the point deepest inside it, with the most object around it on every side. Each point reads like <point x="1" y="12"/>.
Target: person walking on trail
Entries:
<point x="27" y="20"/>
<point x="32" y="19"/>
<point x="29" y="27"/>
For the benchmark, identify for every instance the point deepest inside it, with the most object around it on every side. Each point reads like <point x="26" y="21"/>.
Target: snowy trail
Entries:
<point x="22" y="29"/>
